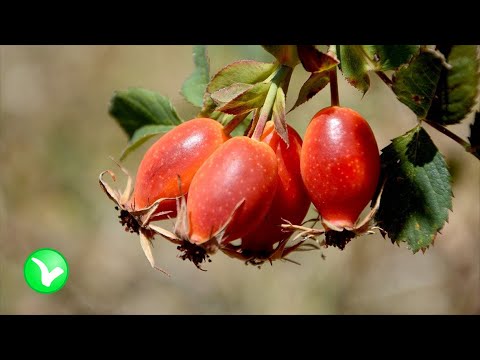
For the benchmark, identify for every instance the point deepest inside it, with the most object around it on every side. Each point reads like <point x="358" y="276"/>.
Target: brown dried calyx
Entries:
<point x="197" y="254"/>
<point x="258" y="258"/>
<point x="136" y="220"/>
<point x="340" y="237"/>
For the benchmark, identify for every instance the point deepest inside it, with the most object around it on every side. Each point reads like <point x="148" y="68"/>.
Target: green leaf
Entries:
<point x="315" y="83"/>
<point x="474" y="137"/>
<point x="137" y="107"/>
<point x="417" y="194"/>
<point x="354" y="66"/>
<point x="247" y="101"/>
<point x="319" y="64"/>
<point x="195" y="85"/>
<point x="357" y="60"/>
<point x="279" y="116"/>
<point x="415" y="83"/>
<point x="142" y="135"/>
<point x="227" y="94"/>
<point x="240" y="129"/>
<point x="389" y="57"/>
<point x="209" y="106"/>
<point x="314" y="60"/>
<point x="243" y="71"/>
<point x="285" y="54"/>
<point x="457" y="88"/>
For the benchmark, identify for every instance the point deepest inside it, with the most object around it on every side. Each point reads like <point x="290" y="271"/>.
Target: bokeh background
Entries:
<point x="56" y="137"/>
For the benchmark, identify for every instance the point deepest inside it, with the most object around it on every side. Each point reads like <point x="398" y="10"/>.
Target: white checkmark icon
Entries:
<point x="47" y="276"/>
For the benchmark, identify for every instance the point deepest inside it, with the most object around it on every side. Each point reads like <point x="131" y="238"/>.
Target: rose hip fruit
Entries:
<point x="340" y="165"/>
<point x="176" y="155"/>
<point x="291" y="201"/>
<point x="242" y="169"/>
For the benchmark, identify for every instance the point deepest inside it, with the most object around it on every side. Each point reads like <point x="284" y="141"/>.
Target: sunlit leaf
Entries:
<point x="247" y="101"/>
<point x="315" y="83"/>
<point x="357" y="60"/>
<point x="243" y="71"/>
<point x="194" y="87"/>
<point x="137" y="107"/>
<point x="285" y="54"/>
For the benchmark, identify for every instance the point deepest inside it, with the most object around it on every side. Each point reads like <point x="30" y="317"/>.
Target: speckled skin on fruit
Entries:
<point x="242" y="168"/>
<point x="291" y="201"/>
<point x="180" y="152"/>
<point x="340" y="164"/>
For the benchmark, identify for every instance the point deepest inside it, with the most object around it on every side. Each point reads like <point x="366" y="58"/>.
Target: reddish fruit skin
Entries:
<point x="291" y="201"/>
<point x="180" y="152"/>
<point x="340" y="164"/>
<point x="242" y="168"/>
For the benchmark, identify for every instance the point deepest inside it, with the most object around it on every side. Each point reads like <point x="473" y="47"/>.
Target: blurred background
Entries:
<point x="56" y="137"/>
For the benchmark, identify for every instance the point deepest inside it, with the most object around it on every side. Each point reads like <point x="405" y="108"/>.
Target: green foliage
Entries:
<point x="243" y="71"/>
<point x="285" y="54"/>
<point x="357" y="60"/>
<point x="240" y="129"/>
<point x="279" y="115"/>
<point x="457" y="88"/>
<point x="417" y="194"/>
<point x="319" y="64"/>
<point x="415" y="84"/>
<point x="238" y="88"/>
<point x="193" y="89"/>
<point x="315" y="83"/>
<point x="137" y="107"/>
<point x="248" y="98"/>
<point x="389" y="57"/>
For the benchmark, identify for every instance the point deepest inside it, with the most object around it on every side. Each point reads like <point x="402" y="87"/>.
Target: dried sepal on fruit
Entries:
<point x="279" y="252"/>
<point x="336" y="236"/>
<point x="196" y="253"/>
<point x="133" y="219"/>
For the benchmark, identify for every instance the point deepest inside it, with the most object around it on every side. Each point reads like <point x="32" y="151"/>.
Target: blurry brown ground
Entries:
<point x="56" y="136"/>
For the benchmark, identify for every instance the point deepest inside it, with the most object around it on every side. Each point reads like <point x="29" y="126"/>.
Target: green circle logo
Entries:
<point x="46" y="271"/>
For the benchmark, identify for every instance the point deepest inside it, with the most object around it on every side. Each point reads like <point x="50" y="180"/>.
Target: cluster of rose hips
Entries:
<point x="246" y="196"/>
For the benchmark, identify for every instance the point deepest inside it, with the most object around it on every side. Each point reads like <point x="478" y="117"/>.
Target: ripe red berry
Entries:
<point x="291" y="201"/>
<point x="241" y="169"/>
<point x="178" y="153"/>
<point x="340" y="165"/>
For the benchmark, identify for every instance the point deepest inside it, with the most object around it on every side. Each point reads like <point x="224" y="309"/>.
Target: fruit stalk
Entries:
<point x="277" y="80"/>
<point x="334" y="98"/>
<point x="232" y="124"/>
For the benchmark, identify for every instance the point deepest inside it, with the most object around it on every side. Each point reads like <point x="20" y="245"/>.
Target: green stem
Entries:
<point x="334" y="98"/>
<point x="237" y="120"/>
<point x="253" y="123"/>
<point x="270" y="100"/>
<point x="384" y="78"/>
<point x="433" y="124"/>
<point x="215" y="115"/>
<point x="450" y="134"/>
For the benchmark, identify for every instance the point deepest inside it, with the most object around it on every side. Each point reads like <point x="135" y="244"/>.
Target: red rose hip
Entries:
<point x="291" y="201"/>
<point x="240" y="169"/>
<point x="178" y="153"/>
<point x="340" y="165"/>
